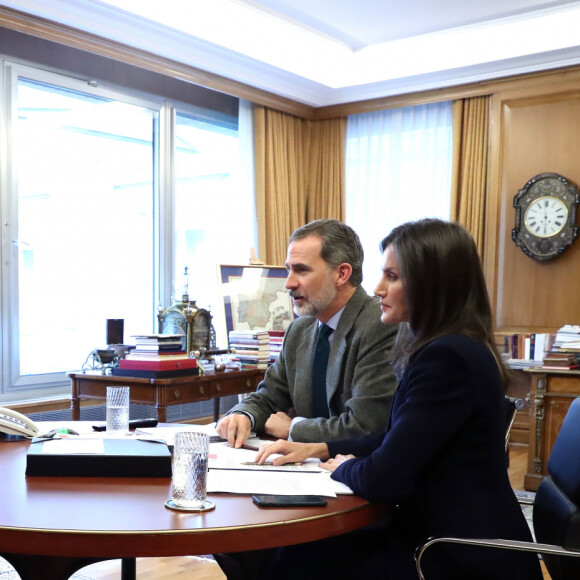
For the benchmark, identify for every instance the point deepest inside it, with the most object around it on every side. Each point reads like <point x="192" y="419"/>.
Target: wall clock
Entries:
<point x="545" y="216"/>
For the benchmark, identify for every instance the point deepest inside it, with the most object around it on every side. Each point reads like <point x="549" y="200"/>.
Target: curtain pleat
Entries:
<point x="299" y="168"/>
<point x="470" y="159"/>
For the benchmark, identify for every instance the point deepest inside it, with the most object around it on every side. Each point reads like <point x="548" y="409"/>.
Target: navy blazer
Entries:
<point x="441" y="465"/>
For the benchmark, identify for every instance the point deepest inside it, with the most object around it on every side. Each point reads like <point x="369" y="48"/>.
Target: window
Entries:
<point x="85" y="198"/>
<point x="209" y="190"/>
<point x="107" y="195"/>
<point x="398" y="168"/>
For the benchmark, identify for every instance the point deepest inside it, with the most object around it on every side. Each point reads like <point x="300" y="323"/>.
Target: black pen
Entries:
<point x="250" y="447"/>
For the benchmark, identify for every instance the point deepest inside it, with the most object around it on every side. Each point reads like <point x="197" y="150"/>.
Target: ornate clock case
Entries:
<point x="187" y="319"/>
<point x="545" y="216"/>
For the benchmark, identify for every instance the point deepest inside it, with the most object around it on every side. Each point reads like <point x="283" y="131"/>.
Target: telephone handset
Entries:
<point x="15" y="423"/>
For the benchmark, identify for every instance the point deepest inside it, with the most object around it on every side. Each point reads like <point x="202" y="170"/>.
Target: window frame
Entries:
<point x="24" y="387"/>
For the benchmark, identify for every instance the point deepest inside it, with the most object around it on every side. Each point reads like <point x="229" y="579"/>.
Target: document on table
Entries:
<point x="228" y="474"/>
<point x="279" y="483"/>
<point x="222" y="456"/>
<point x="168" y="433"/>
<point x="337" y="486"/>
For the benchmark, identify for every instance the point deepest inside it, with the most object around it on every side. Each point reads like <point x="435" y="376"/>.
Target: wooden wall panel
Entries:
<point x="537" y="134"/>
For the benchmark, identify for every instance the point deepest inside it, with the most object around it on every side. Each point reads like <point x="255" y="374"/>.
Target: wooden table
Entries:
<point x="51" y="527"/>
<point x="552" y="393"/>
<point x="162" y="393"/>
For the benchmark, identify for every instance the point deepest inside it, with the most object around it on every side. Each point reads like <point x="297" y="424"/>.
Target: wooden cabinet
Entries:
<point x="163" y="393"/>
<point x="552" y="393"/>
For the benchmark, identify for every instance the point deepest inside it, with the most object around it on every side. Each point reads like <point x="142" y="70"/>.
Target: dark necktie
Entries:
<point x="319" y="364"/>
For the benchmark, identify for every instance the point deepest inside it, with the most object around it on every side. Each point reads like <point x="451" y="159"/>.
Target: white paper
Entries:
<point x="278" y="483"/>
<point x="74" y="447"/>
<point x="222" y="456"/>
<point x="168" y="433"/>
<point x="338" y="487"/>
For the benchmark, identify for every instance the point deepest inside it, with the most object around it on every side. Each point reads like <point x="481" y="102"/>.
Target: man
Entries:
<point x="324" y="265"/>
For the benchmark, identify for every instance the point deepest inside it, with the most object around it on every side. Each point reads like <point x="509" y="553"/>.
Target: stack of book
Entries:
<point x="276" y="337"/>
<point x="560" y="360"/>
<point x="157" y="356"/>
<point x="568" y="338"/>
<point x="252" y="348"/>
<point x="154" y="344"/>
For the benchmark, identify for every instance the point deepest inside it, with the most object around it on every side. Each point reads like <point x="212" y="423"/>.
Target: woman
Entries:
<point x="441" y="463"/>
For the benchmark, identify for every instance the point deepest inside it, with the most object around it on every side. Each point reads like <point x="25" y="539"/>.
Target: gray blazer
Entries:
<point x="360" y="382"/>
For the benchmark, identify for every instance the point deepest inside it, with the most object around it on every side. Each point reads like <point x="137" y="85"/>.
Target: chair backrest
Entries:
<point x="557" y="503"/>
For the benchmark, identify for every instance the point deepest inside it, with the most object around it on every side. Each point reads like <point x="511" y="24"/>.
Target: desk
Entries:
<point x="164" y="392"/>
<point x="552" y="393"/>
<point x="50" y="527"/>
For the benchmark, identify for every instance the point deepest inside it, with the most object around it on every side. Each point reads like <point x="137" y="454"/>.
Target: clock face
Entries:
<point x="546" y="216"/>
<point x="174" y="323"/>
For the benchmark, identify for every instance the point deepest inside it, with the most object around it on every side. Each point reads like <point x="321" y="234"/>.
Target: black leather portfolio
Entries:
<point x="121" y="458"/>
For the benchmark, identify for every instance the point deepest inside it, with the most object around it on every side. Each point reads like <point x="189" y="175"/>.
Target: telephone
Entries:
<point x="15" y="423"/>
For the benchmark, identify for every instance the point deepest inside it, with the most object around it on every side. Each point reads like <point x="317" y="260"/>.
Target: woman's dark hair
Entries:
<point x="444" y="287"/>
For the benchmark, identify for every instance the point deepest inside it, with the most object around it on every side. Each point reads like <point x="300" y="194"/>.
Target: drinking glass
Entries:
<point x="189" y="481"/>
<point x="118" y="409"/>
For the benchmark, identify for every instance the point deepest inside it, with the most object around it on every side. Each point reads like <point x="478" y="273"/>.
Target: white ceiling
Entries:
<point x="324" y="52"/>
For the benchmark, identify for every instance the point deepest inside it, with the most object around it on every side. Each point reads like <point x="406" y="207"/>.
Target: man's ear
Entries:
<point x="344" y="271"/>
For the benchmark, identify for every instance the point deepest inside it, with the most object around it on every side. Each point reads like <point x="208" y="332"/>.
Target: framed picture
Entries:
<point x="255" y="297"/>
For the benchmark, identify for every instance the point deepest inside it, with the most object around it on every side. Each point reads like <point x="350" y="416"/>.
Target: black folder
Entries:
<point x="122" y="458"/>
<point x="149" y="374"/>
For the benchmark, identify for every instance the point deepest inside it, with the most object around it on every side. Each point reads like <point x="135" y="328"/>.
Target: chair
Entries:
<point x="556" y="509"/>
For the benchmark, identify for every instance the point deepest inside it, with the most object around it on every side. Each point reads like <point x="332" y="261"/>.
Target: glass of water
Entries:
<point x="118" y="409"/>
<point x="189" y="480"/>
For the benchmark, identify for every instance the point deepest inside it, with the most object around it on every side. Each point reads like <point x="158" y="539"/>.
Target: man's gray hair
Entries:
<point x="340" y="244"/>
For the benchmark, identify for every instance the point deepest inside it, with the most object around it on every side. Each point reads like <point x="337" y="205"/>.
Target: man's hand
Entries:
<point x="236" y="428"/>
<point x="278" y="425"/>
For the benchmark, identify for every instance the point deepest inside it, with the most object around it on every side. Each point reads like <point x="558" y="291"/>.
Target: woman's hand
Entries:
<point x="333" y="463"/>
<point x="292" y="452"/>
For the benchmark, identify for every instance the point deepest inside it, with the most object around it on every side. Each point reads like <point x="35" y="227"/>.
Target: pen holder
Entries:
<point x="189" y="480"/>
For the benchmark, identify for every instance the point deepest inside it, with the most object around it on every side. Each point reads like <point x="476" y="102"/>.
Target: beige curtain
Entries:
<point x="299" y="176"/>
<point x="470" y="158"/>
<point x="326" y="175"/>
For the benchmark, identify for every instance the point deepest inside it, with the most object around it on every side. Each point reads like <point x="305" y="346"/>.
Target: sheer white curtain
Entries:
<point x="398" y="168"/>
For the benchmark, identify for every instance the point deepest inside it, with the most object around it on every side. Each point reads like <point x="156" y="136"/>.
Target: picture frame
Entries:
<point x="255" y="297"/>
